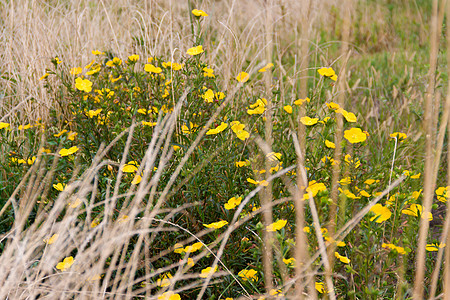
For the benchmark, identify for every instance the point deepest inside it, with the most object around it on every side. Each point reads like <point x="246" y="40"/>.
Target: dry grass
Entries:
<point x="239" y="35"/>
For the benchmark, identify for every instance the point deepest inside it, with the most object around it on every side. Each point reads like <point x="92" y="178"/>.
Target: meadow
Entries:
<point x="224" y="149"/>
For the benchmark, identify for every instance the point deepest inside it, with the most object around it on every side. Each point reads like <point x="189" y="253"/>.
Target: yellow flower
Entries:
<point x="242" y="77"/>
<point x="65" y="264"/>
<point x="60" y="133"/>
<point x="152" y="69"/>
<point x="208" y="72"/>
<point x="416" y="210"/>
<point x="4" y="125"/>
<point x="442" y="193"/>
<point x="188" y="130"/>
<point x="343" y="259"/>
<point x="136" y="179"/>
<point x="273" y="156"/>
<point x="94" y="70"/>
<point x="248" y="274"/>
<point x="97" y="52"/>
<point x="130" y="167"/>
<point x="93" y="113"/>
<point x="434" y="247"/>
<point x="314" y="188"/>
<point x="24" y="127"/>
<point x="308" y="121"/>
<point x="71" y="135"/>
<point x="52" y="239"/>
<point x="208" y="96"/>
<point x="115" y="62"/>
<point x="349" y="116"/>
<point x="333" y="106"/>
<point x="241" y="164"/>
<point x="151" y="124"/>
<point x="95" y="223"/>
<point x="75" y="204"/>
<point x="345" y="181"/>
<point x="306" y="229"/>
<point x="44" y="76"/>
<point x="57" y="60"/>
<point x="265" y="68"/>
<point x="195" y="50"/>
<point x="399" y="135"/>
<point x="83" y="84"/>
<point x="274" y="292"/>
<point x="207" y="271"/>
<point x="415" y="195"/>
<point x="232" y="203"/>
<point x="300" y="102"/>
<point x="190" y="262"/>
<point x="169" y="296"/>
<point x="164" y="280"/>
<point x="257" y="182"/>
<point x="238" y="129"/>
<point x="219" y="95"/>
<point x="133" y="58"/>
<point x="328" y="72"/>
<point x="66" y="152"/>
<point x="364" y="193"/>
<point x="355" y="135"/>
<point x="348" y="194"/>
<point x="31" y="160"/>
<point x="289" y="261"/>
<point x="320" y="287"/>
<point x="330" y="144"/>
<point x="76" y="71"/>
<point x="288" y="109"/>
<point x="218" y="129"/>
<point x="256" y="111"/>
<point x="115" y="79"/>
<point x="199" y="13"/>
<point x="59" y="186"/>
<point x="381" y="212"/>
<point x="400" y="250"/>
<point x="175" y="66"/>
<point x="216" y="225"/>
<point x="417" y="176"/>
<point x="371" y="181"/>
<point x="276" y="226"/>
<point x="195" y="247"/>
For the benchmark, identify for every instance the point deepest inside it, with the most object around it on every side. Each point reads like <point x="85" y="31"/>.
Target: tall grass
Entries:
<point x="123" y="235"/>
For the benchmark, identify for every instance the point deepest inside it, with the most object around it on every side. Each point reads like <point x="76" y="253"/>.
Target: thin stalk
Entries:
<point x="428" y="171"/>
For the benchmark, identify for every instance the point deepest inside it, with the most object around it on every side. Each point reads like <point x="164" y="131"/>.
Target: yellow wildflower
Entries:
<point x="330" y="144"/>
<point x="66" y="152"/>
<point x="232" y="203"/>
<point x="152" y="69"/>
<point x="207" y="271"/>
<point x="83" y="84"/>
<point x="199" y="13"/>
<point x="381" y="212"/>
<point x="65" y="264"/>
<point x="242" y="77"/>
<point x="288" y="109"/>
<point x="308" y="121"/>
<point x="343" y="259"/>
<point x="355" y="135"/>
<point x="195" y="50"/>
<point x="276" y="226"/>
<point x="249" y="274"/>
<point x="265" y="68"/>
<point x="216" y="225"/>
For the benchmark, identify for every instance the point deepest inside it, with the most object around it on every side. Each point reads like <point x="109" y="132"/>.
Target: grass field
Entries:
<point x="224" y="149"/>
